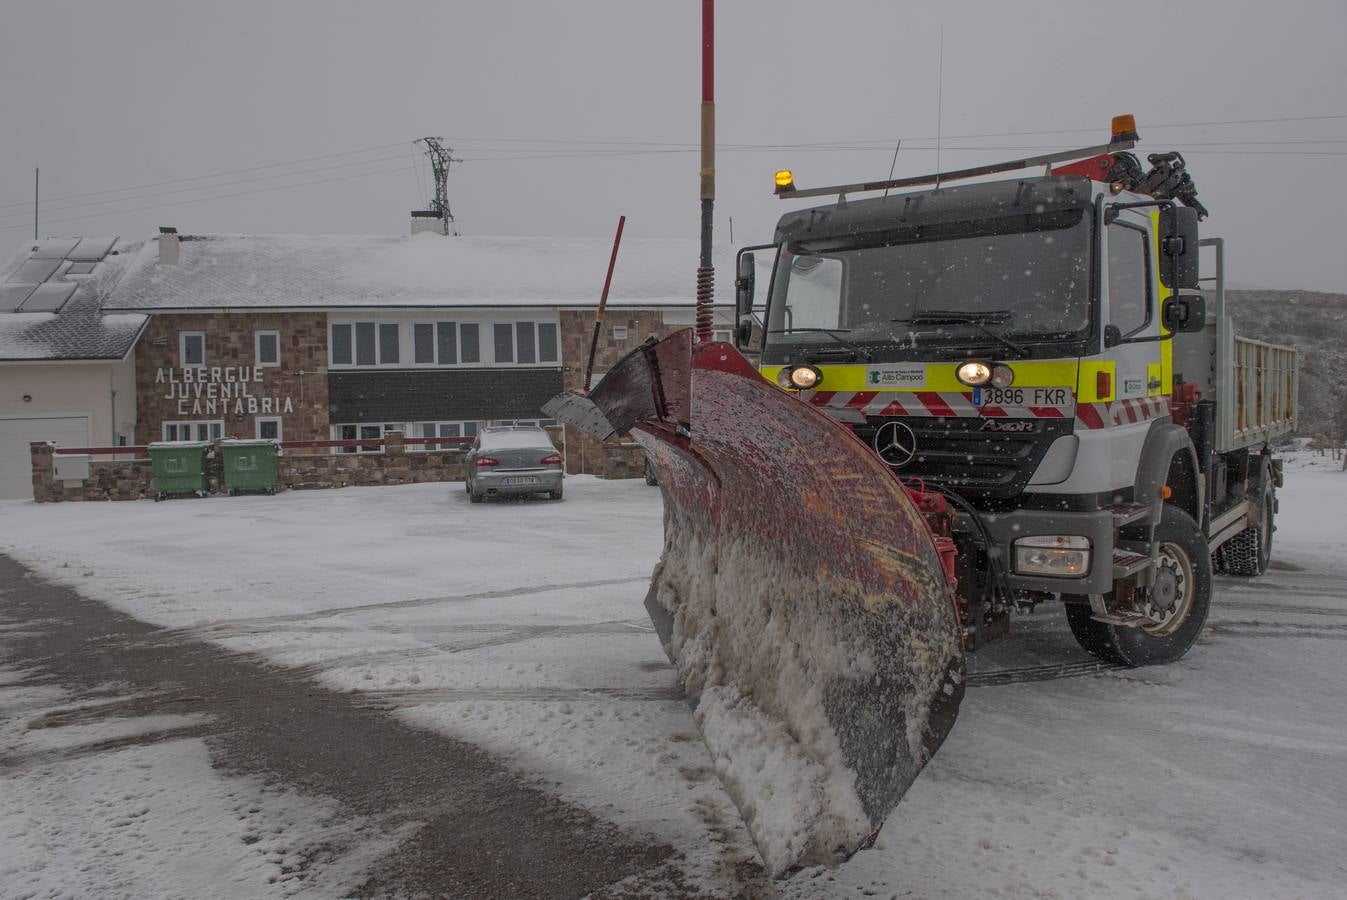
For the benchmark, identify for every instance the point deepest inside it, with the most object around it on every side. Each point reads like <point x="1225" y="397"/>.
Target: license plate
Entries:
<point x="523" y="479"/>
<point x="1024" y="399"/>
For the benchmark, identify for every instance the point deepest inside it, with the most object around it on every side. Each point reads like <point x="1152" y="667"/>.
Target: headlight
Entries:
<point x="974" y="374"/>
<point x="800" y="378"/>
<point x="1059" y="555"/>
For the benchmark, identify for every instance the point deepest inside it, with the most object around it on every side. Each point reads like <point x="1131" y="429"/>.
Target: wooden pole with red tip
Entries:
<point x="603" y="304"/>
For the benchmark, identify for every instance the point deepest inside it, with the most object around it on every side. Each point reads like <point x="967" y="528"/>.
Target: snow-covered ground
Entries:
<point x="519" y="626"/>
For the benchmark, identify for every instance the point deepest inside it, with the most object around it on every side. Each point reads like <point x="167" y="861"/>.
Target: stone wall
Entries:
<point x="296" y="390"/>
<point x="619" y="458"/>
<point x="132" y="479"/>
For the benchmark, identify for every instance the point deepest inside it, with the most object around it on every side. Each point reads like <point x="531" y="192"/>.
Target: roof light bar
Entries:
<point x="1047" y="159"/>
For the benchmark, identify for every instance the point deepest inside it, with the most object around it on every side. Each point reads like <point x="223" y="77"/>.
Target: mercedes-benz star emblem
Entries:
<point x="896" y="444"/>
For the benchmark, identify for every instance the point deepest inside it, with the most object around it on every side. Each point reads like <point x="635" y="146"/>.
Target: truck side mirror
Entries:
<point x="1178" y="247"/>
<point x="746" y="270"/>
<point x="1185" y="313"/>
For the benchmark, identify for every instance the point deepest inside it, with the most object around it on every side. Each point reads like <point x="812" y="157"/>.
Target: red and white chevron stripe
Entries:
<point x="960" y="404"/>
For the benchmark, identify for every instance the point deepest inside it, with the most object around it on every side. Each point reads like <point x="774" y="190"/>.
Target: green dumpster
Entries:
<point x="249" y="465"/>
<point x="178" y="467"/>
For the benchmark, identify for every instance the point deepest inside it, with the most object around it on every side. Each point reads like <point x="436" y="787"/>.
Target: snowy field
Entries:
<point x="519" y="626"/>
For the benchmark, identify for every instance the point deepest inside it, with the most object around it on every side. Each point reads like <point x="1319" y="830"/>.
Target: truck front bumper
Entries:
<point x="1096" y="526"/>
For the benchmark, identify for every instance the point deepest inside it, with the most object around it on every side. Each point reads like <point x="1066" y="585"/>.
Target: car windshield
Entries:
<point x="925" y="283"/>
<point x="515" y="439"/>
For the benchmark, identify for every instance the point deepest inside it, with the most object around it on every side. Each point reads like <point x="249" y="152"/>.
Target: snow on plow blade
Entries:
<point x="799" y="596"/>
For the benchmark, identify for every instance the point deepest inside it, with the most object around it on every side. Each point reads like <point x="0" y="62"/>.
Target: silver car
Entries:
<point x="512" y="459"/>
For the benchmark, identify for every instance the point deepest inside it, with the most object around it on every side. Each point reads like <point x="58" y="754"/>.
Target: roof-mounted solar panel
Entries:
<point x="33" y="271"/>
<point x="91" y="249"/>
<point x="11" y="295"/>
<point x="49" y="297"/>
<point x="55" y="248"/>
<point x="81" y="268"/>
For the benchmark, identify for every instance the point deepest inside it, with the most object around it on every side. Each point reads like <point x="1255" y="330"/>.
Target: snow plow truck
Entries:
<point x="968" y="396"/>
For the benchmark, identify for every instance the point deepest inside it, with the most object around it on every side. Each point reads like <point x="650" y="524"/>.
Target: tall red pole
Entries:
<point x="706" y="273"/>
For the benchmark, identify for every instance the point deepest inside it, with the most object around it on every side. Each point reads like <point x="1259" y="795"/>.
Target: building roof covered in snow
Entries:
<point x="51" y="294"/>
<point x="215" y="272"/>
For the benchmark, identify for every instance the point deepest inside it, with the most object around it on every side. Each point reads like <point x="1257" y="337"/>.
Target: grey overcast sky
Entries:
<point x="567" y="114"/>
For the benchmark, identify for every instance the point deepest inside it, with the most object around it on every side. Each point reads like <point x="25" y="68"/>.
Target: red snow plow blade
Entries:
<point x="800" y="596"/>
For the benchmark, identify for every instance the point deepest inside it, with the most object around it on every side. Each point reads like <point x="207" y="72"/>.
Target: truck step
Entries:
<point x="1127" y="513"/>
<point x="1121" y="618"/>
<point x="1126" y="563"/>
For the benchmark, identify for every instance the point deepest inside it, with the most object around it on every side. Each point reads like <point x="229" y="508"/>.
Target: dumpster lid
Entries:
<point x="177" y="445"/>
<point x="249" y="442"/>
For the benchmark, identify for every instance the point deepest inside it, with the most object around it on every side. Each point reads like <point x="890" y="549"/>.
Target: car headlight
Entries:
<point x="1058" y="555"/>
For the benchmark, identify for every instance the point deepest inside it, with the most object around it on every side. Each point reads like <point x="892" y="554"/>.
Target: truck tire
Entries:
<point x="1249" y="552"/>
<point x="1185" y="571"/>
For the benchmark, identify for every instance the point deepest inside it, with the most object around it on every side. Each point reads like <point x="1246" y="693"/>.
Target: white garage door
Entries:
<point x="16" y="467"/>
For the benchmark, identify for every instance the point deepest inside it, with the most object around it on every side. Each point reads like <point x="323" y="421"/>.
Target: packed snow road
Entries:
<point x="518" y="628"/>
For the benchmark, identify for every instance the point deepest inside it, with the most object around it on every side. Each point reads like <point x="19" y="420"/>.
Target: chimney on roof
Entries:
<point x="428" y="220"/>
<point x="168" y="246"/>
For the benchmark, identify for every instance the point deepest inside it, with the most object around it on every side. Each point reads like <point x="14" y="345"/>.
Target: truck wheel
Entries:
<point x="1092" y="636"/>
<point x="1249" y="552"/>
<point x="1178" y="607"/>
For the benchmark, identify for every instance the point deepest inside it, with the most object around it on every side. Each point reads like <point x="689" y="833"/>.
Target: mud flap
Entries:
<point x="799" y="596"/>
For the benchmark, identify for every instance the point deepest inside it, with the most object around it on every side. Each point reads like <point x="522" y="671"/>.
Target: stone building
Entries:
<point x="350" y="337"/>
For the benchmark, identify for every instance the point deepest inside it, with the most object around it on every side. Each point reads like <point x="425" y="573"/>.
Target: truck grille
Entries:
<point x="956" y="453"/>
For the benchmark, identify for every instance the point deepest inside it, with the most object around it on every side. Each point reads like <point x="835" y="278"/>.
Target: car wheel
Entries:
<point x="474" y="497"/>
<point x="555" y="495"/>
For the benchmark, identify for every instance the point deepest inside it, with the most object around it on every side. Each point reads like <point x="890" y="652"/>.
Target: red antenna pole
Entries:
<point x="706" y="273"/>
<point x="603" y="304"/>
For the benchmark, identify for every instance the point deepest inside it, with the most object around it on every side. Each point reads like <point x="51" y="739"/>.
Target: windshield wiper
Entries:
<point x="976" y="319"/>
<point x="834" y="333"/>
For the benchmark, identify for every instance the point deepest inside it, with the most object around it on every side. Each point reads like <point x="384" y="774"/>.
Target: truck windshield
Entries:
<point x="1031" y="282"/>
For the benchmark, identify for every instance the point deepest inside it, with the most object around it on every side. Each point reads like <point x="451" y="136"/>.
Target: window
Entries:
<point x="268" y="347"/>
<point x="358" y="432"/>
<point x="388" y="344"/>
<point x="192" y="348"/>
<point x="341" y="345"/>
<point x="619" y="332"/>
<point x="504" y="342"/>
<point x="547" y="342"/>
<point x="423" y="344"/>
<point x="446" y="338"/>
<point x="194" y="431"/>
<point x="367" y="344"/>
<point x="269" y="428"/>
<point x="442" y="430"/>
<point x="470" y="342"/>
<point x="1128" y="278"/>
<point x="437" y="343"/>
<point x="541" y="423"/>
<point x="525" y="343"/>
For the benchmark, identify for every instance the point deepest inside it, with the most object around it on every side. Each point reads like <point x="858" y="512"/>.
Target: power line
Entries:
<point x="669" y="145"/>
<point x="214" y="174"/>
<point x="206" y="187"/>
<point x="283" y="187"/>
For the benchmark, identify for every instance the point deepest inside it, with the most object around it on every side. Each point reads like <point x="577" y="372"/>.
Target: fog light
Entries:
<point x="974" y="374"/>
<point x="1057" y="555"/>
<point x="1002" y="376"/>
